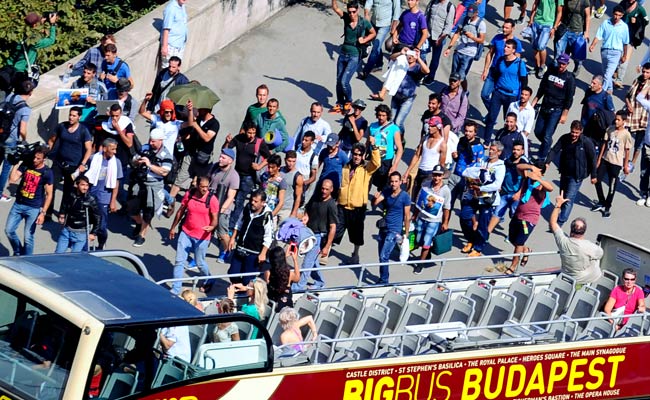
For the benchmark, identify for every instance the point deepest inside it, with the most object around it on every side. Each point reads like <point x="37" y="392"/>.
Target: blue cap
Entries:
<point x="228" y="152"/>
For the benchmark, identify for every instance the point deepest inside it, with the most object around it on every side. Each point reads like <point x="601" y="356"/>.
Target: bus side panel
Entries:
<point x="601" y="372"/>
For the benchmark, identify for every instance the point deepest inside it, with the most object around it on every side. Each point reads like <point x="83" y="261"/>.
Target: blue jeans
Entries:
<point x="436" y="52"/>
<point x="400" y="108"/>
<point x="507" y="204"/>
<point x="570" y="187"/>
<point x="567" y="40"/>
<point x="545" y="126"/>
<point x="461" y="65"/>
<point x="610" y="59"/>
<point x="18" y="213"/>
<point x="486" y="91"/>
<point x="346" y="66"/>
<point x="481" y="235"/>
<point x="500" y="101"/>
<point x="310" y="261"/>
<point x="426" y="231"/>
<point x="184" y="246"/>
<point x="246" y="186"/>
<point x="242" y="263"/>
<point x="376" y="57"/>
<point x="9" y="145"/>
<point x="387" y="242"/>
<point x="541" y="36"/>
<point x="75" y="240"/>
<point x="102" y="231"/>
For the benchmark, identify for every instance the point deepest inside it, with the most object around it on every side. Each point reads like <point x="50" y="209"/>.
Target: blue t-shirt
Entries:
<point x="410" y="82"/>
<point x="175" y="20"/>
<point x="31" y="191"/>
<point x="22" y="115"/>
<point x="509" y="73"/>
<point x="499" y="42"/>
<point x="333" y="167"/>
<point x="394" y="207"/>
<point x="594" y="102"/>
<point x="100" y="191"/>
<point x="123" y="72"/>
<point x="71" y="145"/>
<point x="412" y="25"/>
<point x="384" y="139"/>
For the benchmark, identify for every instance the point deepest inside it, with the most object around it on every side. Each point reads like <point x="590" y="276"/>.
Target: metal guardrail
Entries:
<point x="438" y="262"/>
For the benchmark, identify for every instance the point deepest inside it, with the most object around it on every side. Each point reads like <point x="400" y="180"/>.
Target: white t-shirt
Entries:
<point x="181" y="348"/>
<point x="170" y="128"/>
<point x="306" y="162"/>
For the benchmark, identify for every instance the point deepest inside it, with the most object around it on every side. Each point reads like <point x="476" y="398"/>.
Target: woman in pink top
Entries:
<point x="625" y="299"/>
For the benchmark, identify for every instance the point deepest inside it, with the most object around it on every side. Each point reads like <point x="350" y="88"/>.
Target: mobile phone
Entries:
<point x="293" y="248"/>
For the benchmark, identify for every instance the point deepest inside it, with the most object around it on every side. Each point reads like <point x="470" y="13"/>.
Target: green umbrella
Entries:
<point x="201" y="96"/>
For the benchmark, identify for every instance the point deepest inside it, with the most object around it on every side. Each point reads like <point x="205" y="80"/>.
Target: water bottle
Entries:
<point x="180" y="147"/>
<point x="66" y="74"/>
<point x="412" y="234"/>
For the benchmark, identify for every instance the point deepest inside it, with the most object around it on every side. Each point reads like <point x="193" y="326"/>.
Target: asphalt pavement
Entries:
<point x="295" y="54"/>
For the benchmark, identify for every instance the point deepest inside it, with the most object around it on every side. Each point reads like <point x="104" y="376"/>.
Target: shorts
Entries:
<point x="137" y="205"/>
<point x="426" y="231"/>
<point x="222" y="226"/>
<point x="541" y="36"/>
<point x="510" y="3"/>
<point x="506" y="204"/>
<point x="519" y="231"/>
<point x="187" y="170"/>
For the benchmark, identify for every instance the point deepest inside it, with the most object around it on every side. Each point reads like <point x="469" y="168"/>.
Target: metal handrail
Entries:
<point x="364" y="267"/>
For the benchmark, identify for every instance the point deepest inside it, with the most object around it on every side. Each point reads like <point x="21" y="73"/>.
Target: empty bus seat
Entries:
<point x="462" y="309"/>
<point x="480" y="292"/>
<point x="418" y="312"/>
<point x="522" y="288"/>
<point x="119" y="384"/>
<point x="564" y="286"/>
<point x="563" y="330"/>
<point x="372" y="322"/>
<point x="361" y="349"/>
<point x="542" y="308"/>
<point x="321" y="352"/>
<point x="395" y="299"/>
<point x="170" y="370"/>
<point x="604" y="285"/>
<point x="275" y="329"/>
<point x="500" y="310"/>
<point x="439" y="297"/>
<point x="640" y="322"/>
<point x="269" y="311"/>
<point x="406" y="345"/>
<point x="598" y="328"/>
<point x="328" y="323"/>
<point x="583" y="305"/>
<point x="352" y="304"/>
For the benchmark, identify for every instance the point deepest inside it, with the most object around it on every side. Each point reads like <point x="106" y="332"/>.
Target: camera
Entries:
<point x="48" y="15"/>
<point x="23" y="152"/>
<point x="141" y="171"/>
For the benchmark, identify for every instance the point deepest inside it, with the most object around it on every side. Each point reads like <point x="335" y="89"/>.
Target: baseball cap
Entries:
<point x="358" y="103"/>
<point x="472" y="9"/>
<point x="228" y="152"/>
<point x="435" y="121"/>
<point x="332" y="139"/>
<point x="156" y="134"/>
<point x="454" y="76"/>
<point x="563" y="58"/>
<point x="438" y="170"/>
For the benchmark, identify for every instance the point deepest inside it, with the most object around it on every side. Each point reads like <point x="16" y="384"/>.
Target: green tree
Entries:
<point x="81" y="24"/>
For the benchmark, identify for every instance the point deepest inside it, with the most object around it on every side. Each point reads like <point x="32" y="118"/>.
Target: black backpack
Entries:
<point x="8" y="112"/>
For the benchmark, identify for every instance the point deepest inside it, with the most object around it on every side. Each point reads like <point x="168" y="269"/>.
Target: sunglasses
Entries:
<point x="357" y="154"/>
<point x="629" y="279"/>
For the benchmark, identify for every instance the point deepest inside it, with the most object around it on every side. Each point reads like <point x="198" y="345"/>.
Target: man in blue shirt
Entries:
<point x="386" y="13"/>
<point x="114" y="68"/>
<point x="509" y="74"/>
<point x="497" y="44"/>
<point x="397" y="208"/>
<point x="174" y="31"/>
<point x="615" y="36"/>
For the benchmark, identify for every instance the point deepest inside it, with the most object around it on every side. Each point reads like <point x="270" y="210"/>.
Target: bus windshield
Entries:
<point x="37" y="348"/>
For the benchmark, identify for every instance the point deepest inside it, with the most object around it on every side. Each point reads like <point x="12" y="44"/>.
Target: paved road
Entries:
<point x="295" y="54"/>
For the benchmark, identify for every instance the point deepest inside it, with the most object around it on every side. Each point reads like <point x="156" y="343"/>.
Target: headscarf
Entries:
<point x="166" y="105"/>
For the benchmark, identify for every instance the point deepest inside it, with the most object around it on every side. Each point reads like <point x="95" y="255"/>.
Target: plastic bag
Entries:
<point x="527" y="33"/>
<point x="405" y="252"/>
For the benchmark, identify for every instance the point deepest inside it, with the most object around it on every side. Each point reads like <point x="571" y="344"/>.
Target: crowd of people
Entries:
<point x="268" y="187"/>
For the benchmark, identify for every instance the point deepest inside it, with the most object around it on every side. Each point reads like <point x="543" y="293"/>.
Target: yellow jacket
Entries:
<point x="354" y="192"/>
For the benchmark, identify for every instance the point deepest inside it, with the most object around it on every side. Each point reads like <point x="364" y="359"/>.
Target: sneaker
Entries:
<point x="641" y="202"/>
<point x="191" y="266"/>
<point x="630" y="166"/>
<point x="597" y="207"/>
<point x="647" y="202"/>
<point x="5" y="198"/>
<point x="618" y="84"/>
<point x="223" y="257"/>
<point x="607" y="213"/>
<point x="600" y="11"/>
<point x="136" y="230"/>
<point x="170" y="210"/>
<point x="139" y="241"/>
<point x="521" y="19"/>
<point x="362" y="76"/>
<point x="576" y="69"/>
<point x="336" y="109"/>
<point x="474" y="253"/>
<point x="538" y="73"/>
<point x="467" y="248"/>
<point x="354" y="260"/>
<point x="417" y="270"/>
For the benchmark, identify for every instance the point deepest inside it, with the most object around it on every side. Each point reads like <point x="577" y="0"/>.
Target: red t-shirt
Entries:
<point x="629" y="301"/>
<point x="198" y="215"/>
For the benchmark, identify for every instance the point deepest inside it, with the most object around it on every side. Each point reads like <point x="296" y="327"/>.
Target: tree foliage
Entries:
<point x="81" y="24"/>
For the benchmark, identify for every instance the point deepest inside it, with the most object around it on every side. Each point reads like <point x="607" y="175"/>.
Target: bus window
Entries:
<point x="37" y="348"/>
<point x="137" y="360"/>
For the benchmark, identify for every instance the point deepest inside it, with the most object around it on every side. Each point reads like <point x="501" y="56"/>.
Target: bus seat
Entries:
<point x="462" y="309"/>
<point x="119" y="384"/>
<point x="439" y="297"/>
<point x="307" y="304"/>
<point x="244" y="330"/>
<point x="322" y="352"/>
<point x="500" y="310"/>
<point x="563" y="330"/>
<point x="329" y="322"/>
<point x="522" y="288"/>
<point x="604" y="285"/>
<point x="542" y="308"/>
<point x="269" y="311"/>
<point x="372" y="322"/>
<point x="564" y="286"/>
<point x="198" y="334"/>
<point x="598" y="329"/>
<point x="361" y="349"/>
<point x="480" y="292"/>
<point x="583" y="305"/>
<point x="418" y="312"/>
<point x="395" y="299"/>
<point x="275" y="329"/>
<point x="352" y="304"/>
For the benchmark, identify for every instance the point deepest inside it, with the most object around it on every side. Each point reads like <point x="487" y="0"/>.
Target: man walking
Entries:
<point x="270" y="123"/>
<point x="545" y="17"/>
<point x="224" y="183"/>
<point x="397" y="219"/>
<point x="199" y="212"/>
<point x="76" y="215"/>
<point x="174" y="31"/>
<point x="440" y="18"/>
<point x="577" y="161"/>
<point x="33" y="197"/>
<point x="615" y="36"/>
<point x="166" y="79"/>
<point x="524" y="112"/>
<point x="386" y="16"/>
<point x="576" y="16"/>
<point x="313" y="123"/>
<point x="322" y="216"/>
